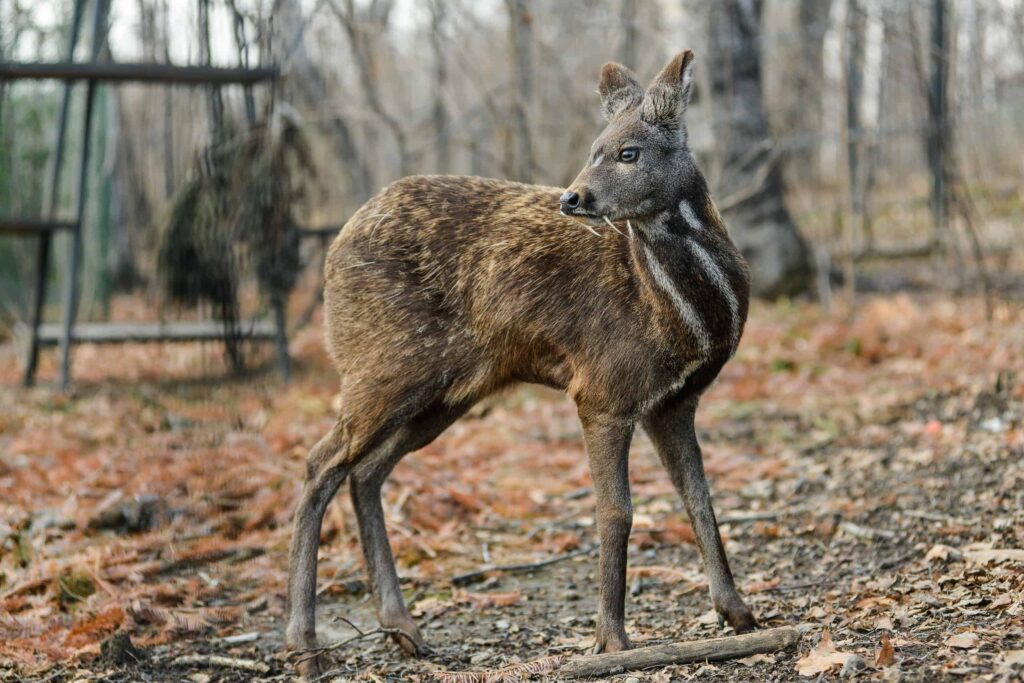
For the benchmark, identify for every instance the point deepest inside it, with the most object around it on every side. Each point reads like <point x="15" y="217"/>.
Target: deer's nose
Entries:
<point x="570" y="200"/>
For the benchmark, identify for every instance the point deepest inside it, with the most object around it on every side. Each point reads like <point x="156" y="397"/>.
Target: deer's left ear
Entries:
<point x="669" y="93"/>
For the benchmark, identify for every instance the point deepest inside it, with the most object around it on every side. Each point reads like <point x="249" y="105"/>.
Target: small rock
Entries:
<point x="502" y="624"/>
<point x="141" y="513"/>
<point x="993" y="424"/>
<point x="632" y="679"/>
<point x="50" y="519"/>
<point x="118" y="650"/>
<point x="853" y="665"/>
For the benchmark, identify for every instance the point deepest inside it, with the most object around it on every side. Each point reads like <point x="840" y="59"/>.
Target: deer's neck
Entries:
<point x="692" y="275"/>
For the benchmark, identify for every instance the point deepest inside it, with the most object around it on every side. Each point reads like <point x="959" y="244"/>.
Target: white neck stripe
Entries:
<point x="689" y="215"/>
<point x="720" y="281"/>
<point x="686" y="310"/>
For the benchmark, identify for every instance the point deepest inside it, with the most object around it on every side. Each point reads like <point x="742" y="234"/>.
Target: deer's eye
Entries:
<point x="629" y="155"/>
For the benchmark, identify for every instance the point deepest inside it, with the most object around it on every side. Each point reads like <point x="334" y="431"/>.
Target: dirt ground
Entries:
<point x="867" y="467"/>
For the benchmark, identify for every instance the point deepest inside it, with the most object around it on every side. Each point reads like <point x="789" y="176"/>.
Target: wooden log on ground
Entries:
<point x="713" y="650"/>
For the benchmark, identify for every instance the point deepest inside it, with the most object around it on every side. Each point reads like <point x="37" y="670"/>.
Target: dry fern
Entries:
<point x="506" y="674"/>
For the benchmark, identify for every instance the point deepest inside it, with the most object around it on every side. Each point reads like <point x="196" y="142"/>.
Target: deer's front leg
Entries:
<point x="607" y="440"/>
<point x="671" y="428"/>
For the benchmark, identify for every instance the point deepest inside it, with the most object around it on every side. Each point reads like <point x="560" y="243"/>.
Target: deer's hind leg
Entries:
<point x="326" y="468"/>
<point x="377" y="425"/>
<point x="367" y="479"/>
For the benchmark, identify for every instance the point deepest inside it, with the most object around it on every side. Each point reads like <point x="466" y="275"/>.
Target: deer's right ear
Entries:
<point x="619" y="90"/>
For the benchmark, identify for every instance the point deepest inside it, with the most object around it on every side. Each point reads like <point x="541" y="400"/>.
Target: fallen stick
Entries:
<point x="225" y="662"/>
<point x="482" y="573"/>
<point x="713" y="650"/>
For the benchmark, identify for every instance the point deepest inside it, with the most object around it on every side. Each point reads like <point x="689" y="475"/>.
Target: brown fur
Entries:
<point x="442" y="290"/>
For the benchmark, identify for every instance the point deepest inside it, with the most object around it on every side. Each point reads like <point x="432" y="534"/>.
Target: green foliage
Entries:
<point x="26" y="138"/>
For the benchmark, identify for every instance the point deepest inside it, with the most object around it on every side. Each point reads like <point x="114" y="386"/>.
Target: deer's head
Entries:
<point x="641" y="161"/>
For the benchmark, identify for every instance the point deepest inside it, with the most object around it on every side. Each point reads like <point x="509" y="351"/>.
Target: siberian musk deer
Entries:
<point x="625" y="291"/>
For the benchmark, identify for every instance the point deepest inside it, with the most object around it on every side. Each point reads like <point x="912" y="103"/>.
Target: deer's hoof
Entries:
<point x="610" y="639"/>
<point x="738" y="616"/>
<point x="308" y="663"/>
<point x="407" y="636"/>
<point x="310" y="666"/>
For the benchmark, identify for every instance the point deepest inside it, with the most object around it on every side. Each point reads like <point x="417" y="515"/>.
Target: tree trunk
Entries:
<point x="627" y="19"/>
<point x="366" y="67"/>
<point x="854" y="35"/>
<point x="306" y="88"/>
<point x="442" y="139"/>
<point x="752" y="190"/>
<point x="813" y="24"/>
<point x="520" y="20"/>
<point x="938" y="129"/>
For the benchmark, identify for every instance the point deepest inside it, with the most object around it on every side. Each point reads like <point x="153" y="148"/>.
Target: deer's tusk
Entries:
<point x="611" y="225"/>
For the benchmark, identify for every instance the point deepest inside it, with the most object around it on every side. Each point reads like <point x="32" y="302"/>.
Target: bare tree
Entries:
<point x="304" y="85"/>
<point x="362" y="53"/>
<point x="442" y="141"/>
<point x="854" y="35"/>
<point x="628" y="19"/>
<point x="520" y="20"/>
<point x="752" y="189"/>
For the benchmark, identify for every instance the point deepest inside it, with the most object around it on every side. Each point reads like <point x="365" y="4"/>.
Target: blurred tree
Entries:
<point x="305" y="87"/>
<point x="442" y="141"/>
<point x="520" y="20"/>
<point x="752" y="193"/>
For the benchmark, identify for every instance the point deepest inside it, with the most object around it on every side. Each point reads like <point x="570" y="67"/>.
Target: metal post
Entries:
<point x="52" y="201"/>
<point x="71" y="290"/>
<point x="284" y="362"/>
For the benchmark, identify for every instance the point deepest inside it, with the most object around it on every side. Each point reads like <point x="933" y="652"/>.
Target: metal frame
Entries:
<point x="94" y="72"/>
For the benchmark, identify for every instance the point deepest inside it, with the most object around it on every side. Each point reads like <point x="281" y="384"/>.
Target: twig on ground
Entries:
<point x="482" y="573"/>
<point x="224" y="662"/>
<point x="302" y="655"/>
<point x="866" y="533"/>
<point x="742" y="517"/>
<point x="667" y="654"/>
<point x="715" y="649"/>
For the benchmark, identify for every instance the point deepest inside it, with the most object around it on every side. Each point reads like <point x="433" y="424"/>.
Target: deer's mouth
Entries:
<point x="591" y="217"/>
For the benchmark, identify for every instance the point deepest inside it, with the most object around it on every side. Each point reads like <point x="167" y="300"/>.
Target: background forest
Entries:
<point x="885" y="134"/>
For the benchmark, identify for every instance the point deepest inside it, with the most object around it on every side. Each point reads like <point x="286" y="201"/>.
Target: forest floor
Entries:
<point x="868" y="470"/>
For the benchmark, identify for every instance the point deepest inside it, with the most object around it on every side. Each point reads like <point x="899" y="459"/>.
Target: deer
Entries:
<point x="625" y="291"/>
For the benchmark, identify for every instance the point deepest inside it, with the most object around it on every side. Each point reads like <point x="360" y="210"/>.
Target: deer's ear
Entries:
<point x="619" y="90"/>
<point x="669" y="93"/>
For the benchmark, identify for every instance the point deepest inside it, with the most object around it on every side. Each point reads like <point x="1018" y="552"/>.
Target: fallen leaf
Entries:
<point x="656" y="572"/>
<point x="485" y="600"/>
<point x="1011" y="659"/>
<point x="942" y="553"/>
<point x="986" y="556"/>
<point x="756" y="659"/>
<point x="886" y="655"/>
<point x="823" y="657"/>
<point x="708" y="618"/>
<point x="965" y="640"/>
<point x="761" y="586"/>
<point x="1001" y="601"/>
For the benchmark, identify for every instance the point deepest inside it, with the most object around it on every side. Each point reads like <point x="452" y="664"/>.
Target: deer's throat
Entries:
<point x="683" y="269"/>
